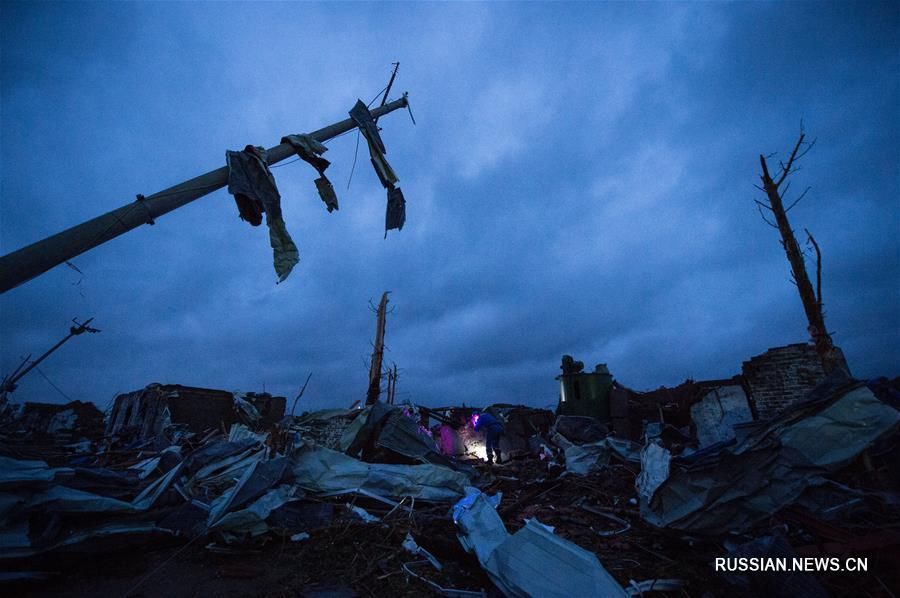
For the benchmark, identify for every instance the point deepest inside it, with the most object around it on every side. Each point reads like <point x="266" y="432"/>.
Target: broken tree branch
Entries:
<point x="786" y="169"/>
<point x="796" y="201"/>
<point x="763" y="216"/>
<point x="815" y="245"/>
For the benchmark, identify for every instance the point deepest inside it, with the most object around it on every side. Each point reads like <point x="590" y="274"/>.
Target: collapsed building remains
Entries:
<point x="157" y="407"/>
<point x="224" y="490"/>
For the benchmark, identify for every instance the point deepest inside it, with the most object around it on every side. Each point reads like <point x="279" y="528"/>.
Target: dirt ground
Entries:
<point x="348" y="557"/>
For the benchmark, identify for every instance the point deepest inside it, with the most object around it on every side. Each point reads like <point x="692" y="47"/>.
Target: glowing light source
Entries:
<point x="477" y="448"/>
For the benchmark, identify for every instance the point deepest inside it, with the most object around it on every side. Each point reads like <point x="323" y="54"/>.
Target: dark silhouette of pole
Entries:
<point x="302" y="390"/>
<point x="9" y="384"/>
<point x="24" y="264"/>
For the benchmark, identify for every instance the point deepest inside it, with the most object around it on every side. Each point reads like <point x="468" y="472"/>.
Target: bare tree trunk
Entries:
<point x="377" y="353"/>
<point x="831" y="359"/>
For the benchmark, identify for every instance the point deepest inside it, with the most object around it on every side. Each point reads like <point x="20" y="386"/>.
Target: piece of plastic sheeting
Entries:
<point x="323" y="415"/>
<point x="318" y="469"/>
<point x="532" y="562"/>
<point x="625" y="449"/>
<point x="842" y="430"/>
<point x="716" y="414"/>
<point x="252" y="520"/>
<point x="472" y="494"/>
<point x="481" y="529"/>
<point x="146" y="467"/>
<point x="654" y="470"/>
<point x="151" y="493"/>
<point x="582" y="460"/>
<point x="245" y="410"/>
<point x="403" y="435"/>
<point x="15" y="473"/>
<point x="214" y="452"/>
<point x="352" y="430"/>
<point x="61" y="499"/>
<point x="374" y="415"/>
<point x="775" y="465"/>
<point x="241" y="433"/>
<point x="220" y="472"/>
<point x="586" y="458"/>
<point x="103" y="481"/>
<point x="255" y="481"/>
<point x="537" y="562"/>
<point x="830" y="500"/>
<point x="253" y="186"/>
<point x="579" y="429"/>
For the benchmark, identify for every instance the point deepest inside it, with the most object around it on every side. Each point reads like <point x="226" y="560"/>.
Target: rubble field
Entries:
<point x="391" y="500"/>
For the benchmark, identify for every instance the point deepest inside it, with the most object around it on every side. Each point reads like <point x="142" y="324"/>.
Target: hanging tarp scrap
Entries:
<point x="253" y="186"/>
<point x="367" y="126"/>
<point x="310" y="151"/>
<point x="395" y="217"/>
<point x="395" y="214"/>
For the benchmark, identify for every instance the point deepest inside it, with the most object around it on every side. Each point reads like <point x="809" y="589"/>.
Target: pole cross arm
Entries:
<point x="29" y="262"/>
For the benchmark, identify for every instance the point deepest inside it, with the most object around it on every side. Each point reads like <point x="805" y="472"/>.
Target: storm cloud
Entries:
<point x="579" y="180"/>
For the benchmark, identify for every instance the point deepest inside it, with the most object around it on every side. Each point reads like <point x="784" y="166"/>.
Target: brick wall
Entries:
<point x="781" y="376"/>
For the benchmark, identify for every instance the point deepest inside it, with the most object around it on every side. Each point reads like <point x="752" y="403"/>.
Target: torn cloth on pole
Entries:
<point x="310" y="151"/>
<point x="253" y="186"/>
<point x="395" y="215"/>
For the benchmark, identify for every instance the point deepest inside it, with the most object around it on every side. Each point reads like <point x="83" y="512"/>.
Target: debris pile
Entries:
<point x="398" y="500"/>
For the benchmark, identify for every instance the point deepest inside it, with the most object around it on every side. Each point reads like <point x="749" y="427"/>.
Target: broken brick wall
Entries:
<point x="781" y="377"/>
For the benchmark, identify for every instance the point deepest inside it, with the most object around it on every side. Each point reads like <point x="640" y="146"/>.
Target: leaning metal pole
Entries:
<point x="9" y="384"/>
<point x="24" y="264"/>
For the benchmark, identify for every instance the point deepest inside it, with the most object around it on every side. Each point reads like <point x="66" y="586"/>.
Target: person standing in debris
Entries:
<point x="493" y="430"/>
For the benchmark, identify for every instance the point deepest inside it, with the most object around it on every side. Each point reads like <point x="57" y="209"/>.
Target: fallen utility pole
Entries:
<point x="24" y="264"/>
<point x="9" y="383"/>
<point x="377" y="353"/>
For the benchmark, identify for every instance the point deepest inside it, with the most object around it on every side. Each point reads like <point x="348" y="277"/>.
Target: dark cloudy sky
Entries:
<point x="580" y="181"/>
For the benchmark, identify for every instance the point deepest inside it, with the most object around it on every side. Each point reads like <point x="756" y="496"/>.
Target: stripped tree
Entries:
<point x="775" y="190"/>
<point x="375" y="372"/>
